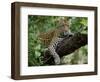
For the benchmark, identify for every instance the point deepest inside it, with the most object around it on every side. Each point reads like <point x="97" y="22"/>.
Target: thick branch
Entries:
<point x="67" y="46"/>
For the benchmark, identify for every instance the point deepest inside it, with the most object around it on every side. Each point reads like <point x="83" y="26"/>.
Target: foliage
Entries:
<point x="38" y="24"/>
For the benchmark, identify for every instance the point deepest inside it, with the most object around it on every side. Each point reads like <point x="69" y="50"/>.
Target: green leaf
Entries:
<point x="38" y="47"/>
<point x="37" y="54"/>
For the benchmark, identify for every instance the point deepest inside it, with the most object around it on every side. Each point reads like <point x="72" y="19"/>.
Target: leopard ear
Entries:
<point x="63" y="20"/>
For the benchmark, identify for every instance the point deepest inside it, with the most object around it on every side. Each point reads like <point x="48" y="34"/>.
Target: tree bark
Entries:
<point x="67" y="46"/>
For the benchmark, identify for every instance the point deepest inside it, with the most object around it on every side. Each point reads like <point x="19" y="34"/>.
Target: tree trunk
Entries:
<point x="67" y="46"/>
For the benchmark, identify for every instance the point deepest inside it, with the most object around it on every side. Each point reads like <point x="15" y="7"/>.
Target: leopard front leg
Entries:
<point x="54" y="54"/>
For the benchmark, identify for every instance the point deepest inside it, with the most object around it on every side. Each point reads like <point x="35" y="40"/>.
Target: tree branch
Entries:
<point x="67" y="46"/>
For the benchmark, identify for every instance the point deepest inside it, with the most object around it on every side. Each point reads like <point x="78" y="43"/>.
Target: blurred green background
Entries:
<point x="38" y="24"/>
